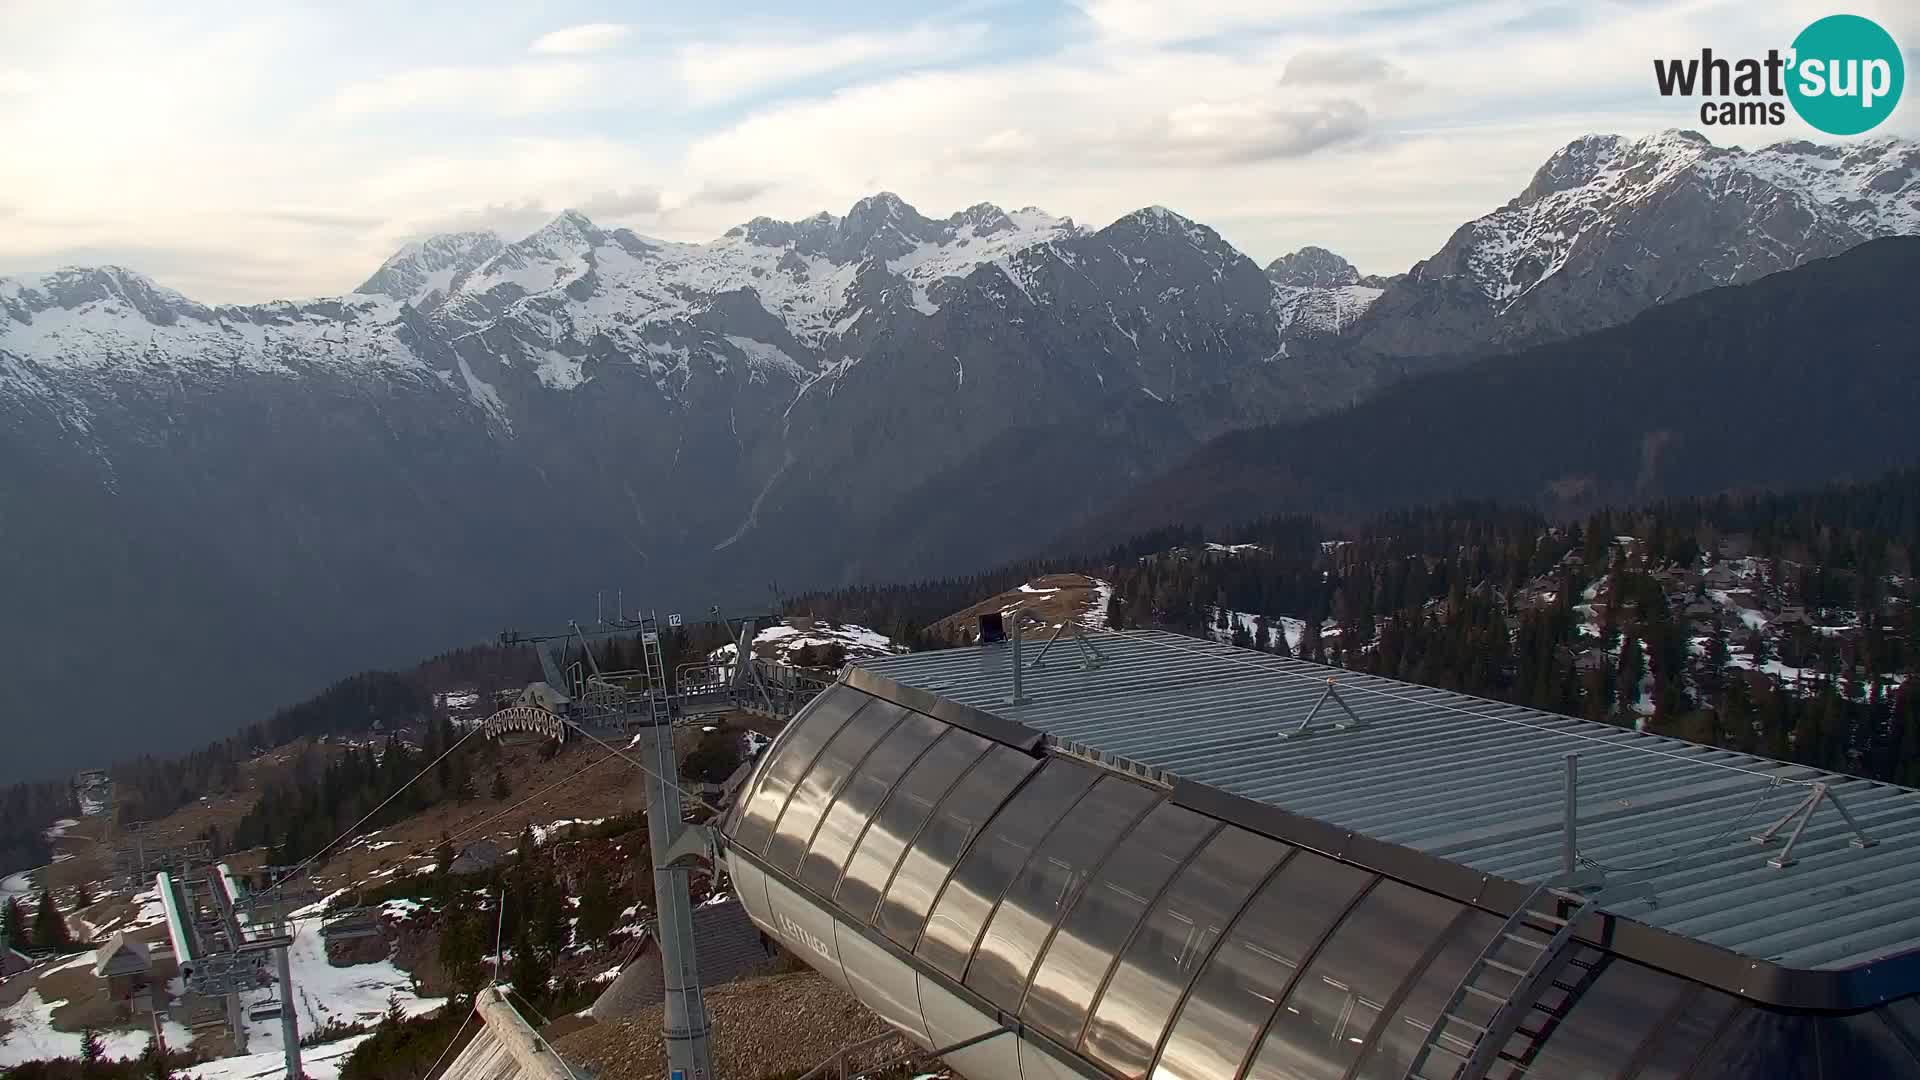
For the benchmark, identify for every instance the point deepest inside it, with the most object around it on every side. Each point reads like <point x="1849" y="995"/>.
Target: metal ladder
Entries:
<point x="1537" y="956"/>
<point x="658" y="698"/>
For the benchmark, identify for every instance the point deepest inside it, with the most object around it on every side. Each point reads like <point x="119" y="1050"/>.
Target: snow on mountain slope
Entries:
<point x="1590" y="193"/>
<point x="803" y="273"/>
<point x="110" y="317"/>
<point x="1326" y="310"/>
<point x="554" y="302"/>
<point x="1317" y="292"/>
<point x="423" y="273"/>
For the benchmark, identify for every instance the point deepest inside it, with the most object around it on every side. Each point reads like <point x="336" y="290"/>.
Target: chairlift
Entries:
<point x="269" y="1009"/>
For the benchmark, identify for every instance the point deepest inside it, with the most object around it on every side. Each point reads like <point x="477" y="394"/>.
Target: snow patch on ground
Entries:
<point x="324" y="993"/>
<point x="317" y="1062"/>
<point x="31" y="1035"/>
<point x="780" y="642"/>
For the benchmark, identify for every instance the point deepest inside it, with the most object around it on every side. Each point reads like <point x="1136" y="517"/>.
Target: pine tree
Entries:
<point x="501" y="789"/>
<point x="49" y="926"/>
<point x="1633" y="668"/>
<point x="153" y="1061"/>
<point x="13" y="926"/>
<point x="82" y="896"/>
<point x="443" y="855"/>
<point x="460" y="951"/>
<point x="600" y="907"/>
<point x="529" y="971"/>
<point x="92" y="1052"/>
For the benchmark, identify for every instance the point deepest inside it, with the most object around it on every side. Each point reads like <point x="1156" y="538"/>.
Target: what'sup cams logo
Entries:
<point x="1843" y="75"/>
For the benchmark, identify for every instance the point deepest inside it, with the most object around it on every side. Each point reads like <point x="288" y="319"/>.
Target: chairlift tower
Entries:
<point x="688" y="1029"/>
<point x="580" y="696"/>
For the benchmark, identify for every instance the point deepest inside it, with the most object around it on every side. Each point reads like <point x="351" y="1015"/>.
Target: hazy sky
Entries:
<point x="249" y="151"/>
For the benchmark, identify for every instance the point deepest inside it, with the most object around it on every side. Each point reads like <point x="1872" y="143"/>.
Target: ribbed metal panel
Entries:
<point x="1478" y="783"/>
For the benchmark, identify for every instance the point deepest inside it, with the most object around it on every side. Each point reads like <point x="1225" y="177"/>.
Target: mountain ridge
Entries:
<point x="1733" y="351"/>
<point x="490" y="435"/>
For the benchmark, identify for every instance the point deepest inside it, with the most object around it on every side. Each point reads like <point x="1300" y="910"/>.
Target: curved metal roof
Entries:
<point x="1480" y="784"/>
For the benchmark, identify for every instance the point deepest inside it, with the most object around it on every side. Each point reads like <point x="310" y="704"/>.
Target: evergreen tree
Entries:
<point x="1633" y="668"/>
<point x="1310" y="645"/>
<point x="92" y="1052"/>
<point x="600" y="907"/>
<point x="501" y="789"/>
<point x="153" y="1061"/>
<point x="528" y="970"/>
<point x="82" y="897"/>
<point x="13" y="925"/>
<point x="460" y="951"/>
<point x="49" y="926"/>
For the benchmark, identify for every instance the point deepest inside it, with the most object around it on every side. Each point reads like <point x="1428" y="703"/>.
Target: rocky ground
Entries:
<point x="774" y="1026"/>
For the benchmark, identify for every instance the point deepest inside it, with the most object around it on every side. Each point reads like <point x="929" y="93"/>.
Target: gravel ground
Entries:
<point x="777" y="1025"/>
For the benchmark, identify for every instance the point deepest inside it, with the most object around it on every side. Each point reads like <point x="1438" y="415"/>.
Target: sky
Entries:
<point x="252" y="151"/>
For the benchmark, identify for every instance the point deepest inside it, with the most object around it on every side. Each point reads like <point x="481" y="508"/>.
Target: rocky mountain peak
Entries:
<point x="1312" y="267"/>
<point x="985" y="218"/>
<point x="882" y="226"/>
<point x="1573" y="165"/>
<point x="425" y="268"/>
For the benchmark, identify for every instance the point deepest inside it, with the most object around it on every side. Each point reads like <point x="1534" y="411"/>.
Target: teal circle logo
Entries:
<point x="1847" y="75"/>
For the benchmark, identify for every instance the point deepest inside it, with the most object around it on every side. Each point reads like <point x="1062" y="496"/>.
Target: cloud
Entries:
<point x="717" y="71"/>
<point x="325" y="219"/>
<point x="516" y="89"/>
<point x="16" y="83"/>
<point x="1336" y="67"/>
<point x="727" y="193"/>
<point x="586" y="38"/>
<point x="513" y="219"/>
<point x="620" y="204"/>
<point x="1241" y="133"/>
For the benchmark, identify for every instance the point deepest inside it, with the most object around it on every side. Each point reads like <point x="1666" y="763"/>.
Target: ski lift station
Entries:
<point x="1137" y="854"/>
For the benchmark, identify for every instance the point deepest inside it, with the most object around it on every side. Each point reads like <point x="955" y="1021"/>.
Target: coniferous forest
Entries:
<point x="1779" y="624"/>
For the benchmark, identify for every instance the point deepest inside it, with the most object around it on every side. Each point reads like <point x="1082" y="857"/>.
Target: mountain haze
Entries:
<point x="488" y="431"/>
<point x="1796" y="379"/>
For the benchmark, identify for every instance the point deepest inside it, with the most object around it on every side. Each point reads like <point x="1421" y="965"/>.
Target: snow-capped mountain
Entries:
<point x="427" y="271"/>
<point x="1316" y="292"/>
<point x="807" y="274"/>
<point x="1610" y="226"/>
<point x="489" y="431"/>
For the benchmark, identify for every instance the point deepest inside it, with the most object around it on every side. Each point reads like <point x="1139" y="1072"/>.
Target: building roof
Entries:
<point x="118" y="956"/>
<point x="1473" y="784"/>
<point x="727" y="943"/>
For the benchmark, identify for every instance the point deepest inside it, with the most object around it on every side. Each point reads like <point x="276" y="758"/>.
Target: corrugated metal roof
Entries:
<point x="1481" y="783"/>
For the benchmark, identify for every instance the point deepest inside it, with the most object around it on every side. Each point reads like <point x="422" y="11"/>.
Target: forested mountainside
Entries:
<point x="1782" y="624"/>
<point x="1796" y="379"/>
<point x="490" y="429"/>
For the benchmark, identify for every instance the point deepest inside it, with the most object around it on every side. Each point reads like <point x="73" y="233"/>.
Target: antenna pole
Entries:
<point x="1570" y="833"/>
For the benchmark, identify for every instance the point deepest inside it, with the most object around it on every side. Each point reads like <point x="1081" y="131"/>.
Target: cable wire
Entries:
<point x="623" y="756"/>
<point x="351" y="829"/>
<point x="541" y="1035"/>
<point x="455" y="1041"/>
<point x="569" y="778"/>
